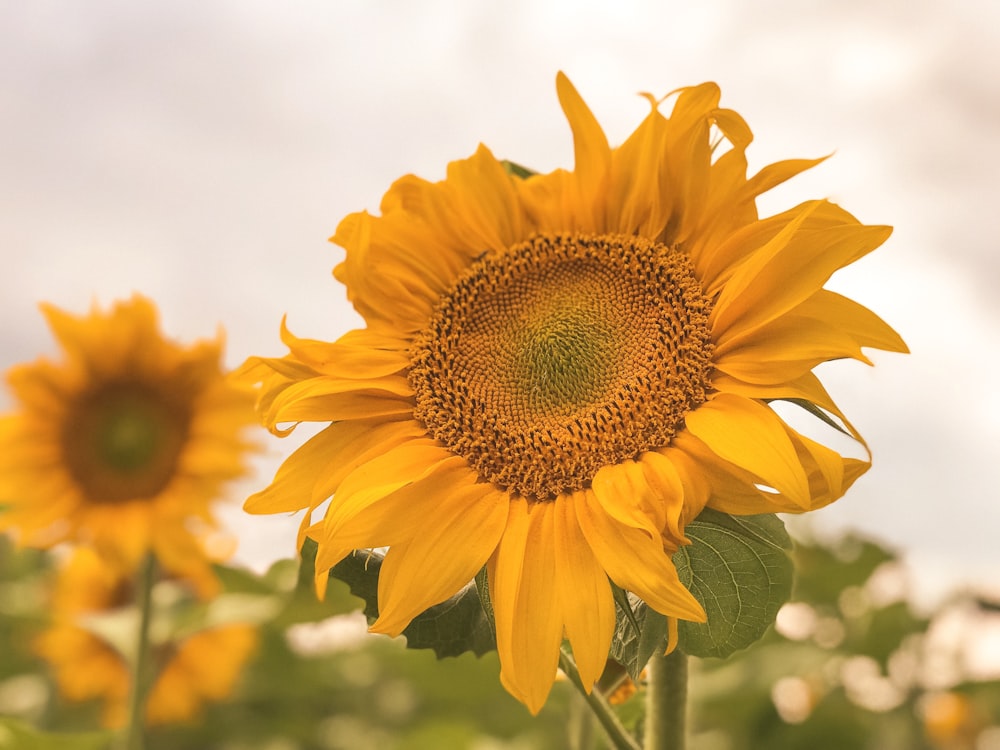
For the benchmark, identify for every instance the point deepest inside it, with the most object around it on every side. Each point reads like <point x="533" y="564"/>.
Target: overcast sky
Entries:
<point x="202" y="153"/>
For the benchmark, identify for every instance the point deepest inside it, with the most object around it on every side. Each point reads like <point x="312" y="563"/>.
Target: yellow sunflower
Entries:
<point x="84" y="666"/>
<point x="124" y="444"/>
<point x="204" y="667"/>
<point x="558" y="373"/>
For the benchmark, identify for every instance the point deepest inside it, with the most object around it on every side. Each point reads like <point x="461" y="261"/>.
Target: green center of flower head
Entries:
<point x="122" y="442"/>
<point x="128" y="437"/>
<point x="561" y="355"/>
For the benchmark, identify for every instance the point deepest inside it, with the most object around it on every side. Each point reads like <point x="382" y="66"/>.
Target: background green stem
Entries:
<point x="617" y="733"/>
<point x="666" y="702"/>
<point x="134" y="734"/>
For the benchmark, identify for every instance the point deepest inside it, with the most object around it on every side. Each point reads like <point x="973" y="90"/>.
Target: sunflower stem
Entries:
<point x="666" y="702"/>
<point x="605" y="715"/>
<point x="580" y="724"/>
<point x="134" y="734"/>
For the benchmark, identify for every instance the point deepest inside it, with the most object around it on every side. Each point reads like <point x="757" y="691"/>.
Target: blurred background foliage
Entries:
<point x="849" y="665"/>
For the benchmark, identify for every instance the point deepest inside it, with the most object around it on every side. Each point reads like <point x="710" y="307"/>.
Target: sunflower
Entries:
<point x="84" y="666"/>
<point x="558" y="372"/>
<point x="125" y="443"/>
<point x="202" y="668"/>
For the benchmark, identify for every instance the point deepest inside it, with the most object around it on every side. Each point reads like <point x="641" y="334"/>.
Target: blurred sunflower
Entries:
<point x="86" y="667"/>
<point x="203" y="667"/>
<point x="559" y="371"/>
<point x="125" y="443"/>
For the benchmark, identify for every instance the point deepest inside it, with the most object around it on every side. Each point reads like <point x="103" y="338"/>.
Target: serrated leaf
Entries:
<point x="451" y="628"/>
<point x="639" y="633"/>
<point x="738" y="567"/>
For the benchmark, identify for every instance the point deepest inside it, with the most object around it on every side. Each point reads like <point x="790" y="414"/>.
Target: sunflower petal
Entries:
<point x="384" y="474"/>
<point x="591" y="149"/>
<point x="665" y="482"/>
<point x="788" y="270"/>
<point x="636" y="204"/>
<point x="774" y="174"/>
<point x="361" y="354"/>
<point x="358" y="443"/>
<point x="291" y="488"/>
<point x="470" y="520"/>
<point x="634" y="557"/>
<point x="525" y="598"/>
<point x="825" y="326"/>
<point x="732" y="490"/>
<point x="585" y="597"/>
<point x="752" y="437"/>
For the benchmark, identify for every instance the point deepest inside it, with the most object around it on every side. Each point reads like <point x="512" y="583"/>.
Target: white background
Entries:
<point x="202" y="152"/>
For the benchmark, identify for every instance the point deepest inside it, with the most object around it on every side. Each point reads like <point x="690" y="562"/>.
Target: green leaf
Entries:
<point x="817" y="412"/>
<point x="517" y="170"/>
<point x="624" y="607"/>
<point x="16" y="735"/>
<point x="483" y="589"/>
<point x="738" y="567"/>
<point x="639" y="633"/>
<point x="451" y="628"/>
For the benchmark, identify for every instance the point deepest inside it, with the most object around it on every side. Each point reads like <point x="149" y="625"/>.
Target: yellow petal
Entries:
<point x="788" y="270"/>
<point x="774" y="174"/>
<point x="824" y="327"/>
<point x="733" y="490"/>
<point x="387" y="472"/>
<point x="525" y="602"/>
<point x="458" y="533"/>
<point x="377" y="294"/>
<point x="688" y="148"/>
<point x="665" y="482"/>
<point x="392" y="519"/>
<point x="407" y="242"/>
<point x="830" y="474"/>
<point x="806" y="388"/>
<point x="292" y="486"/>
<point x="590" y="145"/>
<point x="720" y="256"/>
<point x="695" y="486"/>
<point x="358" y="442"/>
<point x="634" y="557"/>
<point x="482" y="203"/>
<point x="313" y="405"/>
<point x="588" y="608"/>
<point x="856" y="320"/>
<point x="361" y="354"/>
<point x="752" y="437"/>
<point x="636" y="204"/>
<point x="642" y="508"/>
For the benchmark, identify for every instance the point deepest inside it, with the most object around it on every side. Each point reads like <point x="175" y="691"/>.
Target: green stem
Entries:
<point x="134" y="735"/>
<point x="617" y="733"/>
<point x="581" y="724"/>
<point x="666" y="702"/>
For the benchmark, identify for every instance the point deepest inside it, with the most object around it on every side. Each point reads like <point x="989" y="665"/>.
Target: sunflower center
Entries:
<point x="561" y="355"/>
<point x="561" y="358"/>
<point x="122" y="442"/>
